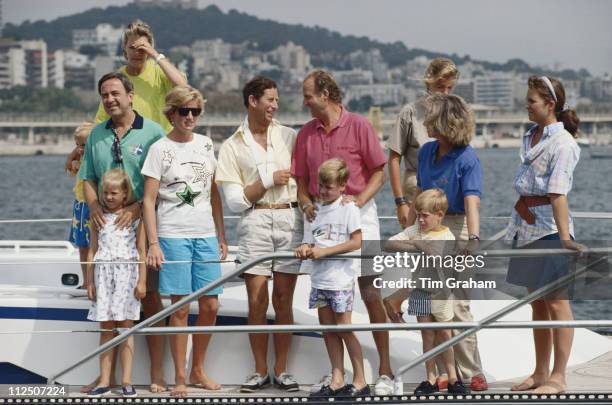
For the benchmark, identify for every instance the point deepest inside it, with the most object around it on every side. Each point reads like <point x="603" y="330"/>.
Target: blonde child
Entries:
<point x="116" y="288"/>
<point x="335" y="230"/>
<point x="430" y="306"/>
<point x="81" y="225"/>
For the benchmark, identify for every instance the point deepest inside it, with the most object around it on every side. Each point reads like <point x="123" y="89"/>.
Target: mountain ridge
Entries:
<point x="327" y="47"/>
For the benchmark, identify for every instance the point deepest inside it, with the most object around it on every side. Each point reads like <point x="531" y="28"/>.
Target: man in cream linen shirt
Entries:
<point x="253" y="170"/>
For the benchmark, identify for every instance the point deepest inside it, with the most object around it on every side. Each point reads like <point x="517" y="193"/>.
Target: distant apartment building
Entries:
<point x="208" y="55"/>
<point x="497" y="89"/>
<point x="185" y="4"/>
<point x="372" y="60"/>
<point x="351" y="77"/>
<point x="104" y="37"/>
<point x="23" y="63"/>
<point x="292" y="57"/>
<point x="465" y="90"/>
<point x="36" y="63"/>
<point x="78" y="71"/>
<point x="381" y="93"/>
<point x="598" y="89"/>
<point x="55" y="69"/>
<point x="222" y="78"/>
<point x="12" y="65"/>
<point x="415" y="68"/>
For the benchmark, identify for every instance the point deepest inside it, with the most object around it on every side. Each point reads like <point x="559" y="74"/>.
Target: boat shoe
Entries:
<point x="255" y="382"/>
<point x="128" y="391"/>
<point x="286" y="382"/>
<point x="97" y="392"/>
<point x="427" y="388"/>
<point x="384" y="385"/>
<point x="349" y="390"/>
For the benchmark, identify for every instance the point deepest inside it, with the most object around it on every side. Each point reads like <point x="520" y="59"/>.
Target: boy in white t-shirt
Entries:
<point x="335" y="230"/>
<point x="430" y="306"/>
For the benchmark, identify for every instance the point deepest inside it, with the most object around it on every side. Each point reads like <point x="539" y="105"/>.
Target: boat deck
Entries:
<point x="589" y="382"/>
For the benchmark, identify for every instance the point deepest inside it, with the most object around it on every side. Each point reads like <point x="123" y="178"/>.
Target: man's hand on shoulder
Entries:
<point x="128" y="215"/>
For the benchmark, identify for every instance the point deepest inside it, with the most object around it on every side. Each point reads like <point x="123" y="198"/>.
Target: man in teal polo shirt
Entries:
<point x="123" y="142"/>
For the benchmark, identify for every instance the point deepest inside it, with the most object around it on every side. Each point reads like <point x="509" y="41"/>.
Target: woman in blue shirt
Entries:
<point x="450" y="164"/>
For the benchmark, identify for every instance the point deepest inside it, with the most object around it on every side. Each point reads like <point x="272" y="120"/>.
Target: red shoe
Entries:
<point x="479" y="383"/>
<point x="442" y="383"/>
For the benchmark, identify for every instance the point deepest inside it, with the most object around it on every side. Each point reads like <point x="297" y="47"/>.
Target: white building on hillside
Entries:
<point x="104" y="37"/>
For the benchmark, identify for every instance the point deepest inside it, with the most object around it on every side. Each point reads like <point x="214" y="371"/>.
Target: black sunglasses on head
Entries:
<point x="116" y="149"/>
<point x="184" y="111"/>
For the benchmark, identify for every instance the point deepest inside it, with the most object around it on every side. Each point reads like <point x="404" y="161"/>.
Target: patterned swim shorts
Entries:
<point x="338" y="300"/>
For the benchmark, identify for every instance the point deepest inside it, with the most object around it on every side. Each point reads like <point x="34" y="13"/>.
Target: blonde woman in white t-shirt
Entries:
<point x="187" y="227"/>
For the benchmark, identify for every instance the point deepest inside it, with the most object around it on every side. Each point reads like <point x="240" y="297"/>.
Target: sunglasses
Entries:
<point x="116" y="149"/>
<point x="184" y="111"/>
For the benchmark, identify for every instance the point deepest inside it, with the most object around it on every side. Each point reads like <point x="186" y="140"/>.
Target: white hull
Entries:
<point x="505" y="354"/>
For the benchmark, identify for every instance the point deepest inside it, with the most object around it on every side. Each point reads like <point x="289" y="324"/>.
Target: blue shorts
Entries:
<point x="81" y="225"/>
<point x="338" y="300"/>
<point x="185" y="278"/>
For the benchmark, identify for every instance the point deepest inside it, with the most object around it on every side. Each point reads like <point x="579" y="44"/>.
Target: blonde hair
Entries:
<point x="117" y="178"/>
<point x="137" y="28"/>
<point x="432" y="200"/>
<point x="82" y="131"/>
<point x="179" y="96"/>
<point x="440" y="69"/>
<point x="333" y="171"/>
<point x="449" y="116"/>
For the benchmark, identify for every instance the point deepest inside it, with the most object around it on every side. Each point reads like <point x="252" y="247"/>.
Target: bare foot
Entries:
<point x="200" y="379"/>
<point x="158" y="386"/>
<point x="552" y="386"/>
<point x="179" y="391"/>
<point x="530" y="383"/>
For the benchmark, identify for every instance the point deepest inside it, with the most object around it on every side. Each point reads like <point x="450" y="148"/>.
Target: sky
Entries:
<point x="553" y="33"/>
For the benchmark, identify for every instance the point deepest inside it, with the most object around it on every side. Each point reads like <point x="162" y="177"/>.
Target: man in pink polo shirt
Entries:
<point x="335" y="132"/>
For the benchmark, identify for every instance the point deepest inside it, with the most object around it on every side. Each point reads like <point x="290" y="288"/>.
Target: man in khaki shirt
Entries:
<point x="253" y="170"/>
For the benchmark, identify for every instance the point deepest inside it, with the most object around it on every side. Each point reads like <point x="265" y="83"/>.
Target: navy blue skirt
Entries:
<point x="536" y="272"/>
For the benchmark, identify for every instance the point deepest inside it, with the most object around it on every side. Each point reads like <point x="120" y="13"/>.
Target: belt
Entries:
<point x="523" y="204"/>
<point x="285" y="206"/>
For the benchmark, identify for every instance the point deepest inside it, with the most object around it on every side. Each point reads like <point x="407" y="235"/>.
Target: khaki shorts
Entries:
<point x="409" y="185"/>
<point x="265" y="231"/>
<point x="442" y="307"/>
<point x="457" y="224"/>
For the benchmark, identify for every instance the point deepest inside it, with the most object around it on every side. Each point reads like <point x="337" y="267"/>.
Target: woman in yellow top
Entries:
<point x="151" y="73"/>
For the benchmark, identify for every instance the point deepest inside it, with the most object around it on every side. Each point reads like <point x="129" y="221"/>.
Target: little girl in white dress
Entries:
<point x="115" y="285"/>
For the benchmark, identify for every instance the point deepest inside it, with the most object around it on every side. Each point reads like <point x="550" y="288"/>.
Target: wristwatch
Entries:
<point x="473" y="237"/>
<point x="305" y="206"/>
<point x="401" y="201"/>
<point x="159" y="57"/>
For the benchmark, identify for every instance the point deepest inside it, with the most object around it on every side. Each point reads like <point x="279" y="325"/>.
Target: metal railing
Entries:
<point x="142" y="327"/>
<point x="575" y="215"/>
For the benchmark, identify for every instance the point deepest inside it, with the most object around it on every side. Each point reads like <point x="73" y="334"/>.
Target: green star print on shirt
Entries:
<point x="187" y="195"/>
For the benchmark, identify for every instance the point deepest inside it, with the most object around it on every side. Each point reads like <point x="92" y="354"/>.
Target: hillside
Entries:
<point x="235" y="27"/>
